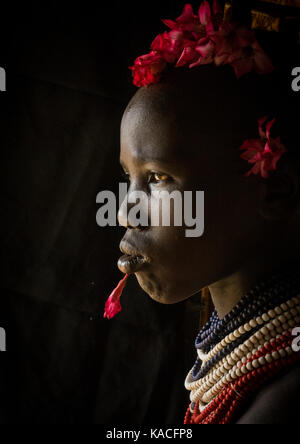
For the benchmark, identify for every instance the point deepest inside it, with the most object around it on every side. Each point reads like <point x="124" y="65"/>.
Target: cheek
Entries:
<point x="174" y="272"/>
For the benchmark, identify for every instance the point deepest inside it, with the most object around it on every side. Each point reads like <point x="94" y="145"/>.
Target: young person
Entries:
<point x="216" y="112"/>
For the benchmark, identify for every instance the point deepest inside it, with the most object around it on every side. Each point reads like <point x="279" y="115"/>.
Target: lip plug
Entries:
<point x="112" y="305"/>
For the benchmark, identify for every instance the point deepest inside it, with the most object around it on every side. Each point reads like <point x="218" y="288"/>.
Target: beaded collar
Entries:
<point x="239" y="353"/>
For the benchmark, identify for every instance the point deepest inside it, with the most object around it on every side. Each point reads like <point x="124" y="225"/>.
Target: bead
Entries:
<point x="238" y="372"/>
<point x="244" y="369"/>
<point x="249" y="366"/>
<point x="221" y="361"/>
<point x="230" y="361"/>
<point x="271" y="313"/>
<point x="244" y="348"/>
<point x="258" y="335"/>
<point x="265" y="317"/>
<point x="241" y="330"/>
<point x="269" y="358"/>
<point x="259" y="320"/>
<point x="228" y="377"/>
<point x="282" y="353"/>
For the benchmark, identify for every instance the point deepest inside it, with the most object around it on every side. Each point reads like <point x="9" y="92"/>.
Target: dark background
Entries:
<point x="67" y="86"/>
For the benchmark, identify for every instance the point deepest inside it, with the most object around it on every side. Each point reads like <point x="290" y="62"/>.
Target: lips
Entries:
<point x="133" y="260"/>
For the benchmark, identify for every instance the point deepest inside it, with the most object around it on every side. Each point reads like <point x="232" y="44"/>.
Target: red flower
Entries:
<point x="198" y="40"/>
<point x="237" y="46"/>
<point x="199" y="50"/>
<point x="189" y="54"/>
<point x="204" y="13"/>
<point x="147" y="68"/>
<point x="251" y="58"/>
<point x="265" y="152"/>
<point x="186" y="22"/>
<point x="206" y="48"/>
<point x="169" y="45"/>
<point x="112" y="305"/>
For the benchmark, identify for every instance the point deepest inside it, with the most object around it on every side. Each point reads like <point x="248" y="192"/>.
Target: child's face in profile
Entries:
<point x="172" y="151"/>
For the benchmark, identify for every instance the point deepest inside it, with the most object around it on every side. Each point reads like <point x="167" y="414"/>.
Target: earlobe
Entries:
<point x="280" y="193"/>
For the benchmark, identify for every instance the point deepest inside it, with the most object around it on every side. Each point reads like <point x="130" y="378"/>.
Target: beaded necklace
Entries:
<point x="237" y="355"/>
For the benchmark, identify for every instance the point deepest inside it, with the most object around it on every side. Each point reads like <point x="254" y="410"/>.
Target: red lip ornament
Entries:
<point x="112" y="305"/>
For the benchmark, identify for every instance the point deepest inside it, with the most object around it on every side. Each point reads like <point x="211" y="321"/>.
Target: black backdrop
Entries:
<point x="67" y="85"/>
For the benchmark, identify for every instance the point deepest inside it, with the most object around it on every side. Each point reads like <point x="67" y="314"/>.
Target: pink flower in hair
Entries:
<point x="237" y="46"/>
<point x="251" y="58"/>
<point x="169" y="45"/>
<point x="265" y="152"/>
<point x="189" y="54"/>
<point x="147" y="68"/>
<point x="188" y="21"/>
<point x="198" y="40"/>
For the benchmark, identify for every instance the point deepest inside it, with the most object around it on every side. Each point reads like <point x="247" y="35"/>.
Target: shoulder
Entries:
<point x="278" y="402"/>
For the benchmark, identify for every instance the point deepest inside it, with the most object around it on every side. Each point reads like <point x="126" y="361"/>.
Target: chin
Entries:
<point x="159" y="292"/>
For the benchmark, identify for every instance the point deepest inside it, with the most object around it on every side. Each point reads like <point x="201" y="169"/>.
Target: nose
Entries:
<point x="133" y="212"/>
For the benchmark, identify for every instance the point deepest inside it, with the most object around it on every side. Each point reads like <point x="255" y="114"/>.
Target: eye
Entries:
<point x="158" y="177"/>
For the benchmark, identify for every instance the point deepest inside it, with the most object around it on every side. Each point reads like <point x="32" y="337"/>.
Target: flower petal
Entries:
<point x="206" y="49"/>
<point x="188" y="55"/>
<point x="170" y="23"/>
<point x="187" y="14"/>
<point x="268" y="127"/>
<point x="112" y="305"/>
<point x="262" y="63"/>
<point x="204" y="13"/>
<point x="242" y="66"/>
<point x="261" y="122"/>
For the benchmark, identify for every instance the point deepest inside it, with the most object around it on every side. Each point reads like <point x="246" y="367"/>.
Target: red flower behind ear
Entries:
<point x="265" y="152"/>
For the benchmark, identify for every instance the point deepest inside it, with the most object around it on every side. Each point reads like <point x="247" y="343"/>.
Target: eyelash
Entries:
<point x="159" y="181"/>
<point x="126" y="176"/>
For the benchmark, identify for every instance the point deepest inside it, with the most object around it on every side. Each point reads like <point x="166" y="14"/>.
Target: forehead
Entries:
<point x="196" y="116"/>
<point x="147" y="131"/>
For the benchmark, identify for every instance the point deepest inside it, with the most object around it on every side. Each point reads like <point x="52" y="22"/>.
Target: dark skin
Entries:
<point x="249" y="222"/>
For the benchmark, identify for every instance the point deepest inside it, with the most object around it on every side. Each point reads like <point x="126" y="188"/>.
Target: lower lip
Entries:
<point x="131" y="264"/>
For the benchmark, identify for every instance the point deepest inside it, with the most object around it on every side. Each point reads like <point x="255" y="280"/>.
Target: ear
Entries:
<point x="280" y="193"/>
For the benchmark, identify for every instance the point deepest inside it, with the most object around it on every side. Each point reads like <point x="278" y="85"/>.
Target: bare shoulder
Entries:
<point x="278" y="402"/>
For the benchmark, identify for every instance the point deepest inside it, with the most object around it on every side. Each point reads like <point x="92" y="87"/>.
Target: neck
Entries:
<point x="227" y="292"/>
